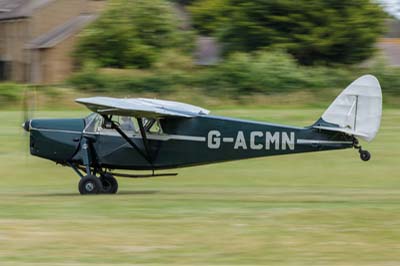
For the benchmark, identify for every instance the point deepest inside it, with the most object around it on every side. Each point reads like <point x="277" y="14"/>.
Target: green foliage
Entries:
<point x="313" y="31"/>
<point x="389" y="77"/>
<point x="183" y="2"/>
<point x="173" y="61"/>
<point x="208" y="15"/>
<point x="10" y="92"/>
<point x="272" y="72"/>
<point x="132" y="33"/>
<point x="96" y="81"/>
<point x="241" y="73"/>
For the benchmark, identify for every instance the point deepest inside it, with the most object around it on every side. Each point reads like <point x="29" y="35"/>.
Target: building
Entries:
<point x="389" y="45"/>
<point x="37" y="37"/>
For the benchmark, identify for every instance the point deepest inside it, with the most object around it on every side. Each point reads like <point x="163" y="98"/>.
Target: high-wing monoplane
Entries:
<point x="149" y="134"/>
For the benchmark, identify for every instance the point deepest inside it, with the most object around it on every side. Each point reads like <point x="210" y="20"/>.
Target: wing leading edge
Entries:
<point x="141" y="107"/>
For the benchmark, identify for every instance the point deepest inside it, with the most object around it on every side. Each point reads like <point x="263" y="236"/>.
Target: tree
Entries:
<point x="313" y="31"/>
<point x="183" y="2"/>
<point x="132" y="33"/>
<point x="208" y="15"/>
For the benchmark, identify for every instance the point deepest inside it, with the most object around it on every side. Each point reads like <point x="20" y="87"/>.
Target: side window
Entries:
<point x="156" y="128"/>
<point x="152" y="126"/>
<point x="128" y="124"/>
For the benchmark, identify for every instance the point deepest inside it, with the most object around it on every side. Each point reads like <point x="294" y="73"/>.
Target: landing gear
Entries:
<point x="364" y="154"/>
<point x="110" y="184"/>
<point x="90" y="185"/>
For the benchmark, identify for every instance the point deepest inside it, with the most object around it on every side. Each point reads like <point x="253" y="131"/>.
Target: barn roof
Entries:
<point x="13" y="9"/>
<point x="60" y="33"/>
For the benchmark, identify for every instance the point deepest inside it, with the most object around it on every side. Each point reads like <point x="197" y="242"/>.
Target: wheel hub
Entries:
<point x="89" y="186"/>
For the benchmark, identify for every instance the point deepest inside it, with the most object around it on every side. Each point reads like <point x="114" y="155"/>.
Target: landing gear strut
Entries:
<point x="364" y="154"/>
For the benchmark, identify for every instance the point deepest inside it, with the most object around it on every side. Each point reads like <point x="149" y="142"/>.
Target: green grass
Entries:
<point x="325" y="208"/>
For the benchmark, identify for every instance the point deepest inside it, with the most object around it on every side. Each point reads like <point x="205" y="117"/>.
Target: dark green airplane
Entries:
<point x="148" y="134"/>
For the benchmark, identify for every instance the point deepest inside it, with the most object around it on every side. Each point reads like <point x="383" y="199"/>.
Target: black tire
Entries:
<point x="365" y="155"/>
<point x="110" y="184"/>
<point x="90" y="185"/>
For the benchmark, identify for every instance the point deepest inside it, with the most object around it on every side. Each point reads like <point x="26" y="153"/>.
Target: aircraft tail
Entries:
<point x="356" y="111"/>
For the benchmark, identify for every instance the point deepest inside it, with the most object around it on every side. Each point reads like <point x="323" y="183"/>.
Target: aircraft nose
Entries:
<point x="26" y="125"/>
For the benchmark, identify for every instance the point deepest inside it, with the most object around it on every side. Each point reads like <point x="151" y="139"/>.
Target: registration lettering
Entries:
<point x="255" y="140"/>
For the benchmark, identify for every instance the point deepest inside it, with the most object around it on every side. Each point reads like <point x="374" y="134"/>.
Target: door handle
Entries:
<point x="76" y="139"/>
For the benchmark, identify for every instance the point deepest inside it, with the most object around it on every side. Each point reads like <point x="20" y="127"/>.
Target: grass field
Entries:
<point x="326" y="208"/>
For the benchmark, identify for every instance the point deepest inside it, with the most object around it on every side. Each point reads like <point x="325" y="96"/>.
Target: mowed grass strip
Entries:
<point x="327" y="208"/>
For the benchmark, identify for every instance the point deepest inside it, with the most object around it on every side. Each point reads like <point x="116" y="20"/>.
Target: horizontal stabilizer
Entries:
<point x="343" y="130"/>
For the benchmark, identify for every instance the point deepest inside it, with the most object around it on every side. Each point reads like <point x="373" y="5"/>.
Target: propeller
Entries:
<point x="28" y="106"/>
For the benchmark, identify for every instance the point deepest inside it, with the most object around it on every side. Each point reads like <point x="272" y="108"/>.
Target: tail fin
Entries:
<point x="356" y="111"/>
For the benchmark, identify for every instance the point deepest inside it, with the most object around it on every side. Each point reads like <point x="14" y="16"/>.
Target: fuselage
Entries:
<point x="181" y="142"/>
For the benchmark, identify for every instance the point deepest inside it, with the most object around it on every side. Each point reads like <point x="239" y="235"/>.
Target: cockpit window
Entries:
<point x="152" y="126"/>
<point x="94" y="123"/>
<point x="127" y="124"/>
<point x="155" y="128"/>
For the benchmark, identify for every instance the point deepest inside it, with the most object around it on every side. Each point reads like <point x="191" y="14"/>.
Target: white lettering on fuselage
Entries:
<point x="214" y="140"/>
<point x="240" y="142"/>
<point x="258" y="140"/>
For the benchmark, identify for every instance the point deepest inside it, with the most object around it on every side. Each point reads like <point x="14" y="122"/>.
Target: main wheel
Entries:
<point x="365" y="155"/>
<point x="90" y="185"/>
<point x="110" y="184"/>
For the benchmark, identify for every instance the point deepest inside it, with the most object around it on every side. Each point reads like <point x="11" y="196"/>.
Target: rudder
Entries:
<point x="357" y="110"/>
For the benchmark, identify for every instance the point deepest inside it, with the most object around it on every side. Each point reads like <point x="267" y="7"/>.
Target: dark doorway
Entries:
<point x="5" y="70"/>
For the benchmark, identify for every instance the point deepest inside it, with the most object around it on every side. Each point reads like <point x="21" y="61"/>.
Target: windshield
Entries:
<point x="90" y="117"/>
<point x="93" y="122"/>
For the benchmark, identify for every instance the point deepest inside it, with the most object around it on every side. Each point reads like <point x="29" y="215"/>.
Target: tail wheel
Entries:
<point x="110" y="184"/>
<point x="365" y="155"/>
<point x="90" y="185"/>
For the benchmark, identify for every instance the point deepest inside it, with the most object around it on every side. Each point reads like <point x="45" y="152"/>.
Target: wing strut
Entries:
<point x="144" y="138"/>
<point x="127" y="139"/>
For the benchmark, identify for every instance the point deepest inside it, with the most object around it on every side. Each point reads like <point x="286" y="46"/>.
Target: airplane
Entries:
<point x="150" y="134"/>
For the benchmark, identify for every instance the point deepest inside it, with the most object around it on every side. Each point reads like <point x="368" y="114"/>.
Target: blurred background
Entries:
<point x="215" y="52"/>
<point x="279" y="61"/>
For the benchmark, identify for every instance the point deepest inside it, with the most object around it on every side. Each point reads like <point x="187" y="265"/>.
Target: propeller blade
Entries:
<point x="28" y="108"/>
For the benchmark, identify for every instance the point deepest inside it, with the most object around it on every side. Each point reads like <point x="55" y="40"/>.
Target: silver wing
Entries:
<point x="141" y="107"/>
